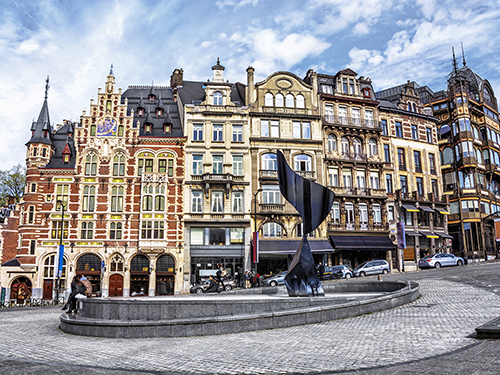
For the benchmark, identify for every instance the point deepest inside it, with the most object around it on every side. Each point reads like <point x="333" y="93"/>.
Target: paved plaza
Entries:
<point x="441" y="322"/>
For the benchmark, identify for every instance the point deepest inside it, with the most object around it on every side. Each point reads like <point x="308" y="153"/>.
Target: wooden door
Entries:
<point x="116" y="285"/>
<point x="47" y="288"/>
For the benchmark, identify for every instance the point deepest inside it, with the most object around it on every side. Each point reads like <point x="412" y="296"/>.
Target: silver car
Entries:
<point x="372" y="267"/>
<point x="440" y="260"/>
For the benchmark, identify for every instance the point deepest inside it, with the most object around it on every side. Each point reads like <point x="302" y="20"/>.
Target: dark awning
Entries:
<point x="426" y="209"/>
<point x="410" y="208"/>
<point x="362" y="243"/>
<point x="287" y="247"/>
<point x="442" y="211"/>
<point x="410" y="232"/>
<point x="428" y="234"/>
<point x="443" y="235"/>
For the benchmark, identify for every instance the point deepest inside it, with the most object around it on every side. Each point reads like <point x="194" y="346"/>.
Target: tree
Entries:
<point x="12" y="183"/>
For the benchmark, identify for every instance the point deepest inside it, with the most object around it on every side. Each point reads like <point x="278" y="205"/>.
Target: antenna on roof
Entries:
<point x="463" y="54"/>
<point x="47" y="86"/>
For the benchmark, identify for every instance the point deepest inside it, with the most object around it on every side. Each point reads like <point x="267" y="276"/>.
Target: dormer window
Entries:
<point x="268" y="99"/>
<point x="351" y="86"/>
<point x="140" y="111"/>
<point x="66" y="154"/>
<point x="152" y="98"/>
<point x="366" y="92"/>
<point x="167" y="128"/>
<point x="66" y="158"/>
<point x="159" y="112"/>
<point x="147" y="127"/>
<point x="35" y="151"/>
<point x="217" y="98"/>
<point x="45" y="133"/>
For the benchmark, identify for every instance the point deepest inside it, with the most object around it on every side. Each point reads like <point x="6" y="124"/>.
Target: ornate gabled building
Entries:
<point x="469" y="139"/>
<point x="284" y="115"/>
<point x="109" y="188"/>
<point x="414" y="184"/>
<point x="217" y="180"/>
<point x="354" y="165"/>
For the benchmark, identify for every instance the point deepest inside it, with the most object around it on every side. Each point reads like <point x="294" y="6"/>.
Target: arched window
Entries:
<point x="290" y="102"/>
<point x="217" y="98"/>
<point x="20" y="289"/>
<point x="117" y="263"/>
<point x="414" y="107"/>
<point x="408" y="106"/>
<point x="476" y="133"/>
<point x="372" y="144"/>
<point x="147" y="203"/>
<point x="269" y="162"/>
<point x="345" y="145"/>
<point x="268" y="99"/>
<point x="444" y="131"/>
<point x="119" y="165"/>
<point x="49" y="267"/>
<point x="91" y="165"/>
<point x="357" y="147"/>
<point x="479" y="155"/>
<point x="160" y="203"/>
<point x="301" y="102"/>
<point x="139" y="263"/>
<point x="279" y="100"/>
<point x="332" y="143"/>
<point x="165" y="263"/>
<point x="447" y="156"/>
<point x="302" y="163"/>
<point x="272" y="230"/>
<point x="88" y="262"/>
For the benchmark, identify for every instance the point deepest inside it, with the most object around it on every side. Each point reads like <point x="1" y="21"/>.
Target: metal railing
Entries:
<point x="351" y="121"/>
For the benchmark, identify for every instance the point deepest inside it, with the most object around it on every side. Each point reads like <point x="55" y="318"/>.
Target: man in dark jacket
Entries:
<point x="214" y="286"/>
<point x="220" y="275"/>
<point x="321" y="270"/>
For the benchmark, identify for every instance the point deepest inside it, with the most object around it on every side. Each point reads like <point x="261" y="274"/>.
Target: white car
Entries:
<point x="372" y="267"/>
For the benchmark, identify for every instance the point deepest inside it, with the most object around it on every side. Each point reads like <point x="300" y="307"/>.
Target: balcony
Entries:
<point x="354" y="156"/>
<point x="269" y="208"/>
<point x="218" y="178"/>
<point x="310" y="175"/>
<point x="154" y="177"/>
<point x="358" y="191"/>
<point x="351" y="121"/>
<point x="365" y="227"/>
<point x="268" y="174"/>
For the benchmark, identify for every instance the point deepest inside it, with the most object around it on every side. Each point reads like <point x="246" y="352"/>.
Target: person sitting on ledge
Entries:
<point x="214" y="286"/>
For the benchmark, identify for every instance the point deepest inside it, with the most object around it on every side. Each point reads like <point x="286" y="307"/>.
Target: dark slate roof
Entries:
<point x="386" y="103"/>
<point x="194" y="93"/>
<point x="11" y="263"/>
<point x="60" y="140"/>
<point x="139" y="95"/>
<point x="43" y="123"/>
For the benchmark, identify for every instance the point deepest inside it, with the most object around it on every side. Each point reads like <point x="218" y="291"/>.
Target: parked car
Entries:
<point x="440" y="260"/>
<point x="372" y="267"/>
<point x="200" y="288"/>
<point x="332" y="273"/>
<point x="341" y="270"/>
<point x="278" y="279"/>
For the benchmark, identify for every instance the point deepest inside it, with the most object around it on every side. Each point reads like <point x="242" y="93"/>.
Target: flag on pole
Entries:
<point x="60" y="258"/>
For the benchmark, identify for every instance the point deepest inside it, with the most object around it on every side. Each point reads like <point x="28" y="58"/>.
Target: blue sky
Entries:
<point x="75" y="43"/>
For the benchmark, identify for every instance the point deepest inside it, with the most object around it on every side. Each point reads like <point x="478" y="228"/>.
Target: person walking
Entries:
<point x="247" y="280"/>
<point x="221" y="272"/>
<point x="321" y="270"/>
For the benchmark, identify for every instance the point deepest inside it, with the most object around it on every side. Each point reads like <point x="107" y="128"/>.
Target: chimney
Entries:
<point x="176" y="78"/>
<point x="250" y="86"/>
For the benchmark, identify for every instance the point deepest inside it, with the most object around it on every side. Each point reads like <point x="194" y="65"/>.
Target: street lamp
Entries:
<point x="255" y="233"/>
<point x="60" y="258"/>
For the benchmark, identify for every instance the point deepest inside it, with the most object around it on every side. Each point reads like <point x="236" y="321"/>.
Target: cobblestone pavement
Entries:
<point x="441" y="321"/>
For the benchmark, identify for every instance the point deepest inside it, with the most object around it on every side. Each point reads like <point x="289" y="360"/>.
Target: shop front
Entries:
<point x="356" y="249"/>
<point x="139" y="276"/>
<point x="89" y="265"/>
<point x="165" y="272"/>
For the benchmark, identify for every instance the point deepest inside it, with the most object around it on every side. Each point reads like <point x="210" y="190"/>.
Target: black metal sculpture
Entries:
<point x="313" y="201"/>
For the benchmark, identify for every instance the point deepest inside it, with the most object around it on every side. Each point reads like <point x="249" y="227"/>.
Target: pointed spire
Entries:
<point x="218" y="66"/>
<point x="149" y="119"/>
<point x="111" y="70"/>
<point x="42" y="129"/>
<point x="152" y="92"/>
<point x="463" y="54"/>
<point x="141" y="103"/>
<point x="455" y="68"/>
<point x="47" y="87"/>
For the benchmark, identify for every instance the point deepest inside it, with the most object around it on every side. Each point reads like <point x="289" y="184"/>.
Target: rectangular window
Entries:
<point x="153" y="230"/>
<point x="401" y="159"/>
<point x="217" y="133"/>
<point x="217" y="164"/>
<point x="347" y="177"/>
<point x="197" y="236"/>
<point x="360" y="178"/>
<point x="399" y="129"/>
<point x="117" y="199"/>
<point x="197" y="164"/>
<point x="62" y="192"/>
<point x="196" y="201"/>
<point x="162" y="166"/>
<point x="377" y="215"/>
<point x="414" y="132"/>
<point x="374" y="180"/>
<point x="237" y="133"/>
<point x="301" y="130"/>
<point x="420" y="186"/>
<point x="432" y="164"/>
<point x="404" y="184"/>
<point x="387" y="153"/>
<point x="198" y="132"/>
<point x="333" y="176"/>
<point x="148" y="166"/>
<point x="237" y="235"/>
<point x="390" y="213"/>
<point x="237" y="165"/>
<point x="275" y="128"/>
<point x="388" y="183"/>
<point x="88" y="198"/>
<point x="428" y="133"/>
<point x="237" y="202"/>
<point x="87" y="232"/>
<point x="356" y="117"/>
<point x="385" y="130"/>
<point x="32" y="247"/>
<point x="31" y="215"/>
<point x="418" y="164"/>
<point x="264" y="128"/>
<point x="33" y="188"/>
<point x="369" y="118"/>
<point x="349" y="213"/>
<point x="217" y="202"/>
<point x="56" y="229"/>
<point x="271" y="194"/>
<point x="336" y="213"/>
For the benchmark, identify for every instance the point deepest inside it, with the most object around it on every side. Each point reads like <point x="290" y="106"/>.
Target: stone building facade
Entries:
<point x="414" y="182"/>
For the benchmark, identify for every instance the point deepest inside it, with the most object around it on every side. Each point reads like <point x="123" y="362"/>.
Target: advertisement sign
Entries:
<point x="60" y="258"/>
<point x="401" y="235"/>
<point x="256" y="247"/>
<point x="497" y="229"/>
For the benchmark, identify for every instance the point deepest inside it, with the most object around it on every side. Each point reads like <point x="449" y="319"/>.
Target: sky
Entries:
<point x="75" y="43"/>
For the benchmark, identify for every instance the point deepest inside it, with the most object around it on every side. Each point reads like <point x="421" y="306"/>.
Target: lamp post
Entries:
<point x="60" y="258"/>
<point x="255" y="233"/>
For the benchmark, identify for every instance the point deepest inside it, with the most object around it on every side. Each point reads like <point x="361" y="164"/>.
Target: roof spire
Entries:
<point x="111" y="70"/>
<point x="463" y="53"/>
<point x="454" y="60"/>
<point x="47" y="86"/>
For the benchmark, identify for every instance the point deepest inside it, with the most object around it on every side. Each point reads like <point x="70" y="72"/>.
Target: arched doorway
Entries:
<point x="89" y="265"/>
<point x="165" y="267"/>
<point x="139" y="276"/>
<point x="48" y="276"/>
<point x="20" y="289"/>
<point x="116" y="279"/>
